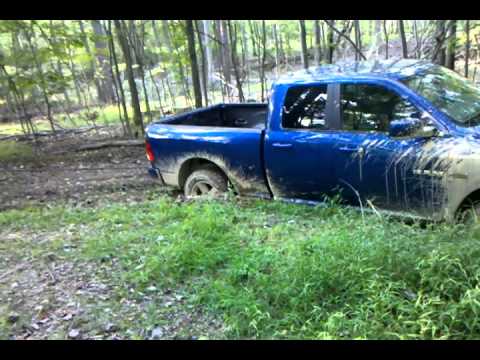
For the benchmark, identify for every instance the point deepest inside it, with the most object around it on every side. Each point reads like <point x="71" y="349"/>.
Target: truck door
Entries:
<point x="370" y="165"/>
<point x="298" y="155"/>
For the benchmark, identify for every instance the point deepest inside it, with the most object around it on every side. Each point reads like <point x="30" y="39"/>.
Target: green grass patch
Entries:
<point x="13" y="150"/>
<point x="276" y="270"/>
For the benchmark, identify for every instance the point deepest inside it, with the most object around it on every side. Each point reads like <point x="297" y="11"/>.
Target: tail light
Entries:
<point x="149" y="151"/>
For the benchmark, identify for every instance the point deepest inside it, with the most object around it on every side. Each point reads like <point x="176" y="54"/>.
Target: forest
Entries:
<point x="63" y="74"/>
<point x="93" y="248"/>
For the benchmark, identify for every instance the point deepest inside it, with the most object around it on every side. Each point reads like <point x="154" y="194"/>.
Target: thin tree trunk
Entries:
<point x="106" y="95"/>
<point x="30" y="35"/>
<point x="358" y="38"/>
<point x="122" y="39"/>
<point x="303" y="42"/>
<point x="193" y="63"/>
<point x="93" y="67"/>
<point x="467" y="46"/>
<point x="439" y="54"/>
<point x="330" y="45"/>
<point x="318" y="49"/>
<point x="233" y="42"/>
<point x="204" y="67"/>
<point x="401" y="30"/>
<point x="451" y="44"/>
<point x="385" y="32"/>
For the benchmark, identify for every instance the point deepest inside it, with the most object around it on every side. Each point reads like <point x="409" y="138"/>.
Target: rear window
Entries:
<point x="304" y="108"/>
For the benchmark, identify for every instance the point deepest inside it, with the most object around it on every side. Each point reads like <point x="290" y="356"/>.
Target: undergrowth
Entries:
<point x="276" y="270"/>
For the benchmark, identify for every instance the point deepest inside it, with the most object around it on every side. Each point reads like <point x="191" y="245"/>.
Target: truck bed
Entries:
<point x="229" y="136"/>
<point x="250" y="115"/>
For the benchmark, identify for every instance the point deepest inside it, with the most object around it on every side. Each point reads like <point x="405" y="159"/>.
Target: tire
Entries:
<point x="470" y="214"/>
<point x="205" y="181"/>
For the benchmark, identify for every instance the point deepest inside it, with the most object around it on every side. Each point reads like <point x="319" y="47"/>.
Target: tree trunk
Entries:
<point x="106" y="95"/>
<point x="467" y="46"/>
<point x="204" y="67"/>
<point x="303" y="42"/>
<point x="439" y="51"/>
<point x="330" y="44"/>
<point x="318" y="49"/>
<point x="451" y="44"/>
<point x="358" y="38"/>
<point x="233" y="42"/>
<point x="385" y="32"/>
<point x="197" y="91"/>
<point x="114" y="61"/>
<point x="93" y="68"/>
<point x="122" y="39"/>
<point x="30" y="35"/>
<point x="401" y="30"/>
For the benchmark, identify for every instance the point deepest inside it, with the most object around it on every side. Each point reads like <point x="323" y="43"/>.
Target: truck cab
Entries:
<point x="398" y="135"/>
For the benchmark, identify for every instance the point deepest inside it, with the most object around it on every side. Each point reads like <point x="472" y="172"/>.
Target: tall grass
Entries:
<point x="276" y="270"/>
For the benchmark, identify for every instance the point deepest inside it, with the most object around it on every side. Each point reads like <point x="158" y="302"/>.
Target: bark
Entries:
<point x="106" y="87"/>
<point x="193" y="63"/>
<point x="93" y="68"/>
<point x="401" y="30"/>
<point x="232" y="31"/>
<point x="318" y="49"/>
<point x="119" y="85"/>
<point x="162" y="61"/>
<point x="137" y="44"/>
<point x="439" y="51"/>
<point x="30" y="37"/>
<point x="385" y="32"/>
<point x="122" y="39"/>
<point x="358" y="39"/>
<point x="303" y="42"/>
<point x="467" y="47"/>
<point x="330" y="44"/>
<point x="204" y="67"/>
<point x="264" y="54"/>
<point x="451" y="45"/>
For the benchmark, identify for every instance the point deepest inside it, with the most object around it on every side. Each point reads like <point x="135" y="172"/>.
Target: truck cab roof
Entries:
<point x="394" y="69"/>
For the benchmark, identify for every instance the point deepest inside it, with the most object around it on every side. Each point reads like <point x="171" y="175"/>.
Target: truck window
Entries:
<point x="304" y="108"/>
<point x="368" y="107"/>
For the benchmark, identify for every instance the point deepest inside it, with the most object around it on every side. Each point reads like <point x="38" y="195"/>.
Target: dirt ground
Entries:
<point x="53" y="295"/>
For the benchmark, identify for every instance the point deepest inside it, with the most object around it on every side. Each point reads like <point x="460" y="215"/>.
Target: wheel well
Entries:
<point x="191" y="165"/>
<point x="471" y="199"/>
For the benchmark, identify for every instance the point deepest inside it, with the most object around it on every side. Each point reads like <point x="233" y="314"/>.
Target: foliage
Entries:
<point x="277" y="270"/>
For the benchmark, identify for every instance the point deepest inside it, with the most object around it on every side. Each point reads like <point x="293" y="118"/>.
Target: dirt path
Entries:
<point x="46" y="292"/>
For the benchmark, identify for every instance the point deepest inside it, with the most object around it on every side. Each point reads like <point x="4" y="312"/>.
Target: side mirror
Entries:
<point x="411" y="127"/>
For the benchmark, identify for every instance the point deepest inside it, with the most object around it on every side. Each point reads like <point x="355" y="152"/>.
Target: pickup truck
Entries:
<point x="397" y="135"/>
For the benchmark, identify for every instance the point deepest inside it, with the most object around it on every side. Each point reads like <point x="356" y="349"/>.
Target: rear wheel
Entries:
<point x="206" y="181"/>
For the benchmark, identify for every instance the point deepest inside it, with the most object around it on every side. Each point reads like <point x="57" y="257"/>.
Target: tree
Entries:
<point x="318" y="48"/>
<point x="401" y="30"/>
<point x="451" y="45"/>
<point x="303" y="42"/>
<point x="467" y="47"/>
<point x="105" y="88"/>
<point x="193" y="62"/>
<point x="122" y="39"/>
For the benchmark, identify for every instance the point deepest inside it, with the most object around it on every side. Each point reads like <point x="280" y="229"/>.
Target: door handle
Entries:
<point x="282" y="145"/>
<point x="348" y="149"/>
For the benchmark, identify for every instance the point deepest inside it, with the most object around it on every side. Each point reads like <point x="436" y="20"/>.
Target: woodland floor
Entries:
<point x="46" y="291"/>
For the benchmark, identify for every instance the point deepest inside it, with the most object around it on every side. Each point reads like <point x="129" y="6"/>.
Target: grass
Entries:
<point x="12" y="150"/>
<point x="275" y="270"/>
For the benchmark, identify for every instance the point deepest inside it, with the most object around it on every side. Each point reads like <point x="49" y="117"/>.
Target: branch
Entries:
<point x="359" y="52"/>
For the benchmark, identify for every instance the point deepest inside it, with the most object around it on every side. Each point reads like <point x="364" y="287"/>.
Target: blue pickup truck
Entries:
<point x="398" y="135"/>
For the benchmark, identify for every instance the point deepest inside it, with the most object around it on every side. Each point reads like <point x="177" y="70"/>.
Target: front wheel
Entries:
<point x="470" y="214"/>
<point x="204" y="182"/>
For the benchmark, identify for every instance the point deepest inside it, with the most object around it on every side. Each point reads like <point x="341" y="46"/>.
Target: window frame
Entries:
<point x="339" y="111"/>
